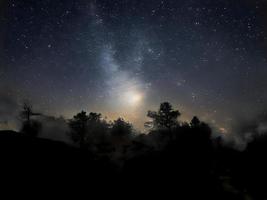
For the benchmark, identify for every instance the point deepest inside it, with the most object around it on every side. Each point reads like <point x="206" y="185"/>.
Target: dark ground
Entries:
<point x="178" y="170"/>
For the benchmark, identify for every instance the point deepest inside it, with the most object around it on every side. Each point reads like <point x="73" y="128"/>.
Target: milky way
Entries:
<point x="122" y="58"/>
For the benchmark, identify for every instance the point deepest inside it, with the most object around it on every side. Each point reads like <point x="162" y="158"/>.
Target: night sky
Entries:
<point x="124" y="57"/>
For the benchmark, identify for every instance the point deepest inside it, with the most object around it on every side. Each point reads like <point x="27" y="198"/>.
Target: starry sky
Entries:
<point x="124" y="57"/>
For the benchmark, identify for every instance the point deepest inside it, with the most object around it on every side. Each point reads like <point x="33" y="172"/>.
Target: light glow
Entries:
<point x="132" y="98"/>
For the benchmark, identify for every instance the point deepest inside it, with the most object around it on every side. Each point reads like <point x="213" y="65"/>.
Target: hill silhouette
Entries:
<point x="174" y="159"/>
<point x="37" y="160"/>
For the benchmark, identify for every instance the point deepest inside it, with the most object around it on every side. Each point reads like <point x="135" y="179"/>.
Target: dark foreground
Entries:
<point x="179" y="170"/>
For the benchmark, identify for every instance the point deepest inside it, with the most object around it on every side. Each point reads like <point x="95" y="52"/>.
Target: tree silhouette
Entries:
<point x="165" y="117"/>
<point x="97" y="129"/>
<point x="121" y="132"/>
<point x="78" y="126"/>
<point x="121" y="128"/>
<point x="195" y="122"/>
<point x="26" y="113"/>
<point x="30" y="126"/>
<point x="94" y="117"/>
<point x="88" y="130"/>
